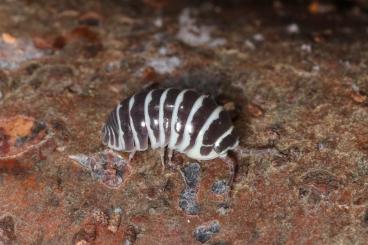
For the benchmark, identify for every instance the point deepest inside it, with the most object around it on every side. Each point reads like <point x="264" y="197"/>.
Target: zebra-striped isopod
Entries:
<point x="181" y="120"/>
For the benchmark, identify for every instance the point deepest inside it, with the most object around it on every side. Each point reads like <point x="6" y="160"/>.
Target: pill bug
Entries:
<point x="181" y="120"/>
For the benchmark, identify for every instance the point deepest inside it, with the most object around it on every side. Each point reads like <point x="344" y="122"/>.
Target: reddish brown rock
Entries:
<point x="23" y="138"/>
<point x="298" y="99"/>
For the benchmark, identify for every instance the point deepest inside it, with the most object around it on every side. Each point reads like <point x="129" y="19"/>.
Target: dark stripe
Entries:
<point x="200" y="118"/>
<point x="185" y="107"/>
<point x="137" y="115"/>
<point x="217" y="128"/>
<point x="205" y="150"/>
<point x="168" y="110"/>
<point x="112" y="124"/>
<point x="226" y="142"/>
<point x="153" y="113"/>
<point x="125" y="125"/>
<point x="105" y="139"/>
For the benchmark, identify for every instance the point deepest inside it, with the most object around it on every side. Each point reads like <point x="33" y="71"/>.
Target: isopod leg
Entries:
<point x="162" y="156"/>
<point x="231" y="163"/>
<point x="169" y="156"/>
<point x="131" y="155"/>
<point x="183" y="175"/>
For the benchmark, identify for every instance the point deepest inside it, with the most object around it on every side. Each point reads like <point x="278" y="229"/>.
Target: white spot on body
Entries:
<point x="189" y="125"/>
<point x="220" y="139"/>
<point x="161" y="118"/>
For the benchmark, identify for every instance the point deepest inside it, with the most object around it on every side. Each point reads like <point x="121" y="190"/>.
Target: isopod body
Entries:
<point x="181" y="120"/>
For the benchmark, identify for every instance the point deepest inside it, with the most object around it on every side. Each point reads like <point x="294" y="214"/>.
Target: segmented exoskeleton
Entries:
<point x="181" y="120"/>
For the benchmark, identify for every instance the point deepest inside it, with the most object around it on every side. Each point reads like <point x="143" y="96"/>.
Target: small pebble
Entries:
<point x="82" y="242"/>
<point x="293" y="29"/>
<point x="158" y="22"/>
<point x="61" y="148"/>
<point x="258" y="37"/>
<point x="358" y="97"/>
<point x="223" y="208"/>
<point x="306" y="48"/>
<point x="164" y="65"/>
<point x="254" y="110"/>
<point x="249" y="44"/>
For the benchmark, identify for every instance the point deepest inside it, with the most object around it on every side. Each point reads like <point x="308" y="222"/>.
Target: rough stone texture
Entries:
<point x="293" y="77"/>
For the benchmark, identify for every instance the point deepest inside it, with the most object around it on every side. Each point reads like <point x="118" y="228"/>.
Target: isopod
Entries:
<point x="181" y="120"/>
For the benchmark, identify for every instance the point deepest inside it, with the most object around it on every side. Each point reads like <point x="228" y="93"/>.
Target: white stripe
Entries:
<point x="161" y="117"/>
<point x="195" y="151"/>
<point x="188" y="130"/>
<point x="113" y="137"/>
<point x="173" y="134"/>
<point x="108" y="134"/>
<point x="212" y="155"/>
<point x="224" y="152"/>
<point x="148" y="121"/>
<point x="135" y="136"/>
<point x="121" y="133"/>
<point x="219" y="140"/>
<point x="110" y="137"/>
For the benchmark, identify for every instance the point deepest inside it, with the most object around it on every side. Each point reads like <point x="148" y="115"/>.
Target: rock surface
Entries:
<point x="293" y="77"/>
